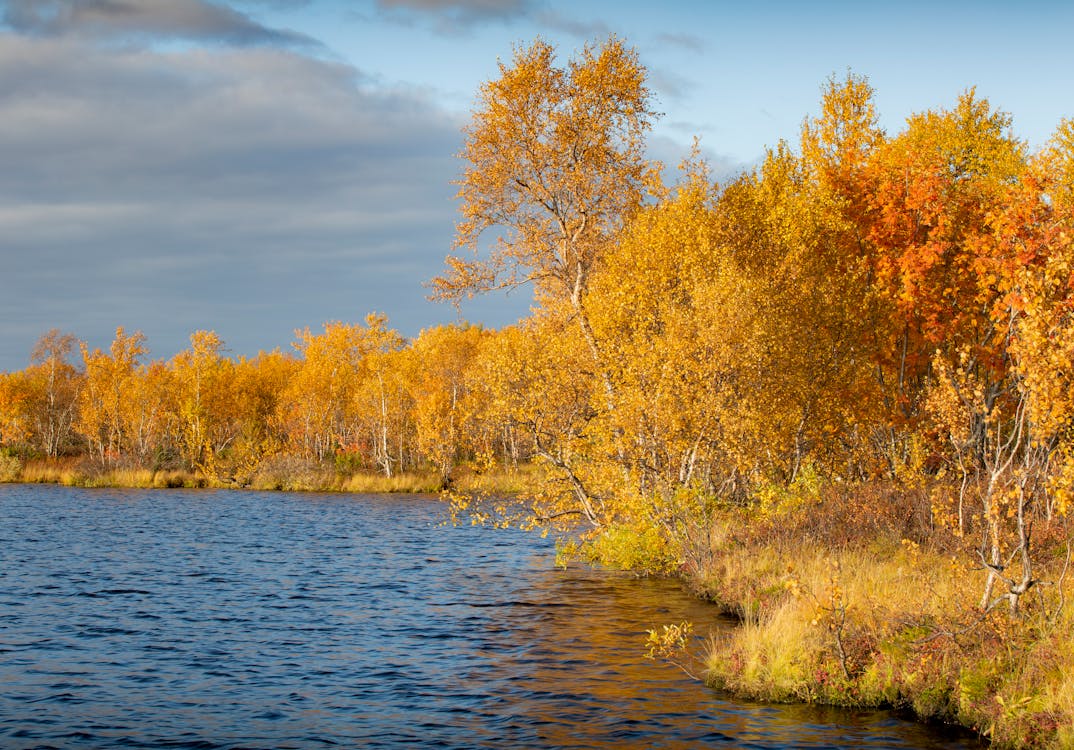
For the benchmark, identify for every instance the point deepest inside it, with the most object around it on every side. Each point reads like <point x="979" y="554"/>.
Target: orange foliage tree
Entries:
<point x="937" y="183"/>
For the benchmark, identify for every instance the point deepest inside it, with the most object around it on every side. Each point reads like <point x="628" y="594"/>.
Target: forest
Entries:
<point x="834" y="394"/>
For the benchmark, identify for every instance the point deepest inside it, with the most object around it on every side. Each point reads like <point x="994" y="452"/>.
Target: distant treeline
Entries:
<point x="355" y="396"/>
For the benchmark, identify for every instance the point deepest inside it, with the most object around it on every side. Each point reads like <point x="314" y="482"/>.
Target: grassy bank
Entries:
<point x="290" y="475"/>
<point x="848" y="599"/>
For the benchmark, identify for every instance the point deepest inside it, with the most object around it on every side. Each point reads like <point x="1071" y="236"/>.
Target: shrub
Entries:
<point x="10" y="468"/>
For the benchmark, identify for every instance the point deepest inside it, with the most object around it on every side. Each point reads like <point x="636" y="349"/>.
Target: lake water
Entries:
<point x="219" y="619"/>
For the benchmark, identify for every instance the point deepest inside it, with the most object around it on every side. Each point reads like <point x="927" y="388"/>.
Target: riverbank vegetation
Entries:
<point x="836" y="393"/>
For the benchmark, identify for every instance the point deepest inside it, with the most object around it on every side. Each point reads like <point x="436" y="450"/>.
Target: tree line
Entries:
<point x="358" y="397"/>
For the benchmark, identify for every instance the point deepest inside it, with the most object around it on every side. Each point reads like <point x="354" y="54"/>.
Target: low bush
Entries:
<point x="10" y="468"/>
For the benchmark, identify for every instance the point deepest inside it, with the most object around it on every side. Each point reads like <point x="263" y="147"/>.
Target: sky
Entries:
<point x="256" y="167"/>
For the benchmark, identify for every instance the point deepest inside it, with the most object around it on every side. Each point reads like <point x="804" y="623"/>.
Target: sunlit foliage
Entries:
<point x="857" y="307"/>
<point x="865" y="342"/>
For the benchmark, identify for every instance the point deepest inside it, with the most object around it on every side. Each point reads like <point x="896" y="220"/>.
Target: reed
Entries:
<point x="407" y="482"/>
<point x="175" y="479"/>
<point x="56" y="471"/>
<point x="285" y="473"/>
<point x="135" y="478"/>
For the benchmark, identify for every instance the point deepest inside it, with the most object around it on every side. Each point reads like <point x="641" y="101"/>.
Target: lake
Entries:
<point x="227" y="619"/>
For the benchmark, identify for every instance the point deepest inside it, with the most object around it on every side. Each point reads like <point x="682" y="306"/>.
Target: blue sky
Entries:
<point x="258" y="166"/>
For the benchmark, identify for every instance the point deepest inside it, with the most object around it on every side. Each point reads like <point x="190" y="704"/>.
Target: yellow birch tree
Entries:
<point x="108" y="395"/>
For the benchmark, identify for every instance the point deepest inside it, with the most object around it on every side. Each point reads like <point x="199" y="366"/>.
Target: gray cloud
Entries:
<point x="470" y="9"/>
<point x="581" y="29"/>
<point x="672" y="151"/>
<point x="457" y="17"/>
<point x="670" y="84"/>
<point x="690" y="42"/>
<point x="279" y="4"/>
<point x="453" y="17"/>
<point x="252" y="191"/>
<point x="185" y="19"/>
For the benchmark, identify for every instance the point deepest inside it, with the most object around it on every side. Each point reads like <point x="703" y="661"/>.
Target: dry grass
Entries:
<point x="175" y="478"/>
<point x="57" y="471"/>
<point x="418" y="483"/>
<point x="887" y="615"/>
<point x="140" y="478"/>
<point x="767" y="657"/>
<point x="503" y="482"/>
<point x="74" y="473"/>
<point x="285" y="473"/>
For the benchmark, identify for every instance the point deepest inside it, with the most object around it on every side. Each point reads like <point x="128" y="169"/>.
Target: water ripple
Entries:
<point x="214" y="619"/>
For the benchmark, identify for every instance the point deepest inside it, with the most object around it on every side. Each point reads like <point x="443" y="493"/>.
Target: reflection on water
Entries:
<point x="225" y="619"/>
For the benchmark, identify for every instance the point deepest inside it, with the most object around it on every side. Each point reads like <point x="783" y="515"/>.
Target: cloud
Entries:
<point x="249" y="190"/>
<point x="581" y="29"/>
<point x="690" y="42"/>
<point x="457" y="17"/>
<point x="167" y="19"/>
<point x="671" y="84"/>
<point x="454" y="16"/>
<point x="671" y="151"/>
<point x="476" y="8"/>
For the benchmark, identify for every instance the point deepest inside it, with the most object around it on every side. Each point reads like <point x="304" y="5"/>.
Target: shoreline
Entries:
<point x="297" y="477"/>
<point x="876" y="620"/>
<point x="884" y="620"/>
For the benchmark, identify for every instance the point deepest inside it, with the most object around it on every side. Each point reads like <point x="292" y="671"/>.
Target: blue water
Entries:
<point x="219" y="619"/>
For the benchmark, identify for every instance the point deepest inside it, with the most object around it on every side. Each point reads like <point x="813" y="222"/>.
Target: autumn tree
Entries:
<point x="537" y="380"/>
<point x="937" y="183"/>
<point x="789" y="318"/>
<point x="259" y="387"/>
<point x="203" y="401"/>
<point x="1011" y="431"/>
<point x="442" y="400"/>
<point x="838" y="151"/>
<point x="320" y="395"/>
<point x="493" y="392"/>
<point x="55" y="384"/>
<point x="555" y="159"/>
<point x="149" y="395"/>
<point x="108" y="414"/>
<point x="1035" y="257"/>
<point x="382" y="395"/>
<point x="838" y="146"/>
<point x="16" y="419"/>
<point x="665" y="302"/>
